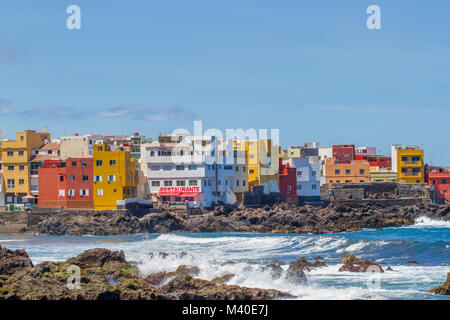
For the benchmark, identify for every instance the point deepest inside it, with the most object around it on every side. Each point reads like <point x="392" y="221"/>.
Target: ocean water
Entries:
<point x="243" y="254"/>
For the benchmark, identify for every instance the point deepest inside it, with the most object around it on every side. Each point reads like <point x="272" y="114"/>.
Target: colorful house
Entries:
<point x="440" y="182"/>
<point x="308" y="178"/>
<point x="344" y="153"/>
<point x="408" y="162"/>
<point x="16" y="156"/>
<point x="114" y="176"/>
<point x="357" y="171"/>
<point x="288" y="182"/>
<point x="263" y="160"/>
<point x="66" y="184"/>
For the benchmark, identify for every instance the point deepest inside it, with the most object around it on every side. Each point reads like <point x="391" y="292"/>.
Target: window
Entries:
<point x="361" y="171"/>
<point x="299" y="187"/>
<point x="61" y="178"/>
<point x="84" y="192"/>
<point x="71" y="193"/>
<point x="289" y="188"/>
<point x="243" y="169"/>
<point x="83" y="163"/>
<point x="252" y="171"/>
<point x="74" y="164"/>
<point x="404" y="158"/>
<point x="361" y="180"/>
<point x="85" y="178"/>
<point x="112" y="162"/>
<point x="243" y="183"/>
<point x="21" y="138"/>
<point x="10" y="153"/>
<point x="111" y="178"/>
<point x="98" y="163"/>
<point x="167" y="183"/>
<point x="21" y="167"/>
<point x="192" y="182"/>
<point x="99" y="192"/>
<point x="72" y="178"/>
<point x="98" y="178"/>
<point x="181" y="183"/>
<point x="314" y="173"/>
<point x="237" y="168"/>
<point x="21" y="182"/>
<point x="10" y="168"/>
<point x="114" y="190"/>
<point x="20" y="153"/>
<point x="331" y="181"/>
<point x="347" y="171"/>
<point x="167" y="168"/>
<point x="252" y="156"/>
<point x="10" y="183"/>
<point x="444" y="181"/>
<point x="156" y="183"/>
<point x="180" y="167"/>
<point x="299" y="173"/>
<point x="434" y="181"/>
<point x="237" y="183"/>
<point x="154" y="168"/>
<point x="192" y="167"/>
<point x="100" y="149"/>
<point x="337" y="171"/>
<point x="62" y="193"/>
<point x="228" y="167"/>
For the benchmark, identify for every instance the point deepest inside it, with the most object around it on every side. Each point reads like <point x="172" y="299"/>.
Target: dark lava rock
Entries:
<point x="354" y="264"/>
<point x="444" y="289"/>
<point x="98" y="257"/>
<point x="274" y="268"/>
<point x="12" y="261"/>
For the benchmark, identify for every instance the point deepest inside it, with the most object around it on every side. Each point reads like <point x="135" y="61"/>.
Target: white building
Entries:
<point x="182" y="168"/>
<point x="369" y="151"/>
<point x="324" y="154"/>
<point x="77" y="147"/>
<point x="308" y="177"/>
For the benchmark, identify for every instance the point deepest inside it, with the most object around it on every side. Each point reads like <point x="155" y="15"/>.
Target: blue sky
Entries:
<point x="309" y="68"/>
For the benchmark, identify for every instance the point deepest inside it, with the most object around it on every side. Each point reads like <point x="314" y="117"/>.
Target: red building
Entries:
<point x="376" y="161"/>
<point x="344" y="153"/>
<point x="67" y="184"/>
<point x="440" y="182"/>
<point x="288" y="182"/>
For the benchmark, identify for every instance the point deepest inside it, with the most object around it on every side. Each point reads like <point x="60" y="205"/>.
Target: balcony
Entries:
<point x="411" y="163"/>
<point x="412" y="174"/>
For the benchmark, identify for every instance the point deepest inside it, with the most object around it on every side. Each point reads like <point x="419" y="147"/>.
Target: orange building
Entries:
<point x="356" y="171"/>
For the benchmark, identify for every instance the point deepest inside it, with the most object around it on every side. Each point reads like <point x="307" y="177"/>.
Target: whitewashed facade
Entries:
<point x="308" y="177"/>
<point x="188" y="169"/>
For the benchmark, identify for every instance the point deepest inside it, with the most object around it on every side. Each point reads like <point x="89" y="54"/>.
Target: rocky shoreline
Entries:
<point x="279" y="218"/>
<point x="107" y="275"/>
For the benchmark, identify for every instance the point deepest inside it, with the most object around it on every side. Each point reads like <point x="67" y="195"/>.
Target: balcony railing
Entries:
<point x="412" y="174"/>
<point x="416" y="163"/>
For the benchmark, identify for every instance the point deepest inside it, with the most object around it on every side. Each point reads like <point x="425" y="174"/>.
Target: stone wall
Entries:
<point x="375" y="190"/>
<point x="256" y="197"/>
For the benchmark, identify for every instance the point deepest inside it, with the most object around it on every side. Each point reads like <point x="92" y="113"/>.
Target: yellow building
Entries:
<point x="16" y="155"/>
<point x="115" y="176"/>
<point x="263" y="161"/>
<point x="410" y="164"/>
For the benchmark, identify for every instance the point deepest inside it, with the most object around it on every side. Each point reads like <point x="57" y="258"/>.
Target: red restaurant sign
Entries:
<point x="179" y="189"/>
